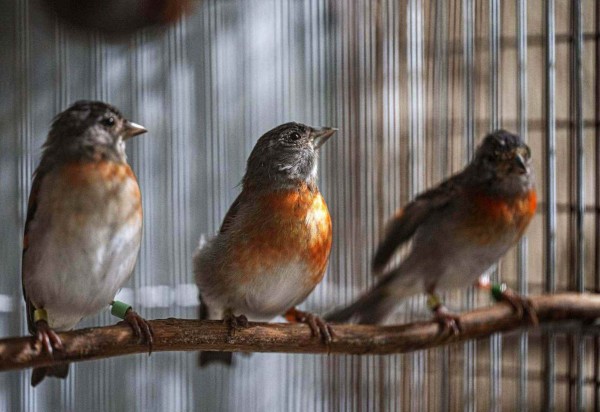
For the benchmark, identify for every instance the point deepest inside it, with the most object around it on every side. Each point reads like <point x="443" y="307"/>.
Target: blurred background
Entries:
<point x="413" y="85"/>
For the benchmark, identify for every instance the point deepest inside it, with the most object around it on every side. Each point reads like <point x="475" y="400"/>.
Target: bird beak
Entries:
<point x="320" y="135"/>
<point x="133" y="129"/>
<point x="520" y="163"/>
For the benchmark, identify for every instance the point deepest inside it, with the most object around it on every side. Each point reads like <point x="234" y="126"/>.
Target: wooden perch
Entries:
<point x="195" y="335"/>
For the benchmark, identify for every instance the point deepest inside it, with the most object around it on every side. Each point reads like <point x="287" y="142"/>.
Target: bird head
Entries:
<point x="90" y="129"/>
<point x="287" y="155"/>
<point x="503" y="163"/>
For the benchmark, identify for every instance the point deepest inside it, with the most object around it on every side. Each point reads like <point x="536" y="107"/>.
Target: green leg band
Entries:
<point x="119" y="309"/>
<point x="498" y="290"/>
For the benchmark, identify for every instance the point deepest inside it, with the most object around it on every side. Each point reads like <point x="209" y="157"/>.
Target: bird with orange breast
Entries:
<point x="458" y="230"/>
<point x="274" y="242"/>
<point x="83" y="228"/>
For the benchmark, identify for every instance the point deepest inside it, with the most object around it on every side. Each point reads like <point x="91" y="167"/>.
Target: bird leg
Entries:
<point x="449" y="322"/>
<point x="522" y="305"/>
<point x="234" y="323"/>
<point x="141" y="327"/>
<point x="318" y="326"/>
<point x="45" y="335"/>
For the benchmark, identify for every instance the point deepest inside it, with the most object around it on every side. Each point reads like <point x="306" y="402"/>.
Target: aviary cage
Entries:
<point x="412" y="85"/>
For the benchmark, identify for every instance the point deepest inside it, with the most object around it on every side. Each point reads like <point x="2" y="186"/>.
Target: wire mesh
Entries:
<point x="412" y="85"/>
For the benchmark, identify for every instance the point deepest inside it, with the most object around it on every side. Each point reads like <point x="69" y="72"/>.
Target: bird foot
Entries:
<point x="235" y="323"/>
<point x="449" y="322"/>
<point x="47" y="337"/>
<point x="521" y="304"/>
<point x="318" y="326"/>
<point x="141" y="328"/>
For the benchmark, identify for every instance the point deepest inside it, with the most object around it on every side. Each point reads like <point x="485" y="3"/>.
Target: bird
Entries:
<point x="83" y="227"/>
<point x="458" y="230"/>
<point x="273" y="246"/>
<point x="119" y="18"/>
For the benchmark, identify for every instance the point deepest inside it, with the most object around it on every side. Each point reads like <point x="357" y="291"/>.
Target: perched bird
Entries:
<point x="274" y="243"/>
<point x="120" y="17"/>
<point x="458" y="230"/>
<point x="83" y="228"/>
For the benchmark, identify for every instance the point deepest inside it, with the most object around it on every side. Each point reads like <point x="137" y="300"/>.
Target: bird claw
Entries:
<point x="521" y="304"/>
<point x="47" y="337"/>
<point x="318" y="326"/>
<point x="449" y="322"/>
<point x="235" y="323"/>
<point x="141" y="328"/>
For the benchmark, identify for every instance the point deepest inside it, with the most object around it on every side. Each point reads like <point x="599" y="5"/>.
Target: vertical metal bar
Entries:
<point x="61" y="56"/>
<point x="550" y="150"/>
<point x="180" y="103"/>
<point x="580" y="147"/>
<point x="597" y="200"/>
<point x="469" y="100"/>
<point x="457" y="382"/>
<point x="382" y="63"/>
<point x="440" y="130"/>
<point x="12" y="210"/>
<point x="580" y="183"/>
<point x="379" y="116"/>
<point x="470" y="348"/>
<point x="550" y="182"/>
<point x="494" y="16"/>
<point x="354" y="119"/>
<point x="362" y="148"/>
<point x="416" y="145"/>
<point x="494" y="45"/>
<point x="440" y="135"/>
<point x="27" y="398"/>
<point x="521" y="8"/>
<point x="396" y="144"/>
<point x="415" y="95"/>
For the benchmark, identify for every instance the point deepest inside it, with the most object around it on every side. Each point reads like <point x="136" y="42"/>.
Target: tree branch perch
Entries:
<point x="194" y="335"/>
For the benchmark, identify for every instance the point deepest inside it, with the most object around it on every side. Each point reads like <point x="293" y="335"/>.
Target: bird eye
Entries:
<point x="108" y="121"/>
<point x="295" y="136"/>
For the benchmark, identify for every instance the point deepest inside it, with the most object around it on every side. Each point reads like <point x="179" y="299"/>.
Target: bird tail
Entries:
<point x="374" y="306"/>
<point x="370" y="308"/>
<point x="206" y="358"/>
<point x="58" y="371"/>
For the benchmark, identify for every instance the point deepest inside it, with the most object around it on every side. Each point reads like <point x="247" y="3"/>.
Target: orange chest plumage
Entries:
<point x="86" y="189"/>
<point x="491" y="217"/>
<point x="79" y="174"/>
<point x="288" y="227"/>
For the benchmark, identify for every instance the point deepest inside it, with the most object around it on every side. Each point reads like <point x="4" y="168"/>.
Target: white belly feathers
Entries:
<point x="83" y="245"/>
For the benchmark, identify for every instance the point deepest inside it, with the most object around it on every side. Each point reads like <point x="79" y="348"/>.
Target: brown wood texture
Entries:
<point x="194" y="335"/>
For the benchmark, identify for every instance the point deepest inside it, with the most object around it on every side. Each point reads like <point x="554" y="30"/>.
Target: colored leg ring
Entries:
<point x="119" y="309"/>
<point x="40" y="314"/>
<point x="497" y="290"/>
<point x="434" y="303"/>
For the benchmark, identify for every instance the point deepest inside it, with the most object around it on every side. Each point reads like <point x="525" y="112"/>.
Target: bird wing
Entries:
<point x="31" y="209"/>
<point x="408" y="219"/>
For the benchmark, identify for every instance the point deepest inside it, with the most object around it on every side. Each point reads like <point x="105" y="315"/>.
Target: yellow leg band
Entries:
<point x="434" y="302"/>
<point x="40" y="314"/>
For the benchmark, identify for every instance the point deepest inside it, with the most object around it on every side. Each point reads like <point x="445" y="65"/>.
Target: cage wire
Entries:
<point x="413" y="86"/>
